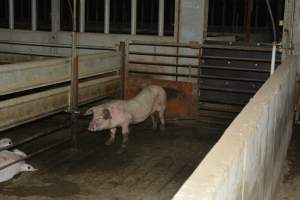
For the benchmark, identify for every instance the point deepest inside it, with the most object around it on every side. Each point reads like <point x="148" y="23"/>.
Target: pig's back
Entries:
<point x="146" y="102"/>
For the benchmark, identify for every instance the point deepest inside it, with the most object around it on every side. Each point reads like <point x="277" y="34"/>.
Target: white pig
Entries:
<point x="122" y="113"/>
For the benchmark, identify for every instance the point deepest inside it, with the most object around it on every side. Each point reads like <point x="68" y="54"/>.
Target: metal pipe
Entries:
<point x="163" y="54"/>
<point x="197" y="67"/>
<point x="222" y="102"/>
<point x="239" y="59"/>
<point x="33" y="54"/>
<point x="36" y="153"/>
<point x="55" y="15"/>
<point x="133" y="16"/>
<point x="106" y="16"/>
<point x="219" y="110"/>
<point x="197" y="46"/>
<point x="87" y="47"/>
<point x="197" y="76"/>
<point x="272" y="21"/>
<point x="238" y="91"/>
<point x="11" y="15"/>
<point x="273" y="58"/>
<point x="177" y="28"/>
<point x="36" y="136"/>
<point x="33" y="15"/>
<point x="204" y="57"/>
<point x="161" y="16"/>
<point x="82" y="16"/>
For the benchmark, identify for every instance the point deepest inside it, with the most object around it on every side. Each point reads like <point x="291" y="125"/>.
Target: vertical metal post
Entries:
<point x="55" y="15"/>
<point x="74" y="80"/>
<point x="82" y="16"/>
<point x="133" y="16"/>
<point x="161" y="17"/>
<point x="11" y="15"/>
<point x="107" y="16"/>
<point x="248" y="11"/>
<point x="177" y="28"/>
<point x="33" y="15"/>
<point x="124" y="72"/>
<point x="273" y="58"/>
<point x="200" y="53"/>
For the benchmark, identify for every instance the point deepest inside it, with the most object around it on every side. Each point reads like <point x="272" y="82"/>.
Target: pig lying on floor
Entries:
<point x="122" y="113"/>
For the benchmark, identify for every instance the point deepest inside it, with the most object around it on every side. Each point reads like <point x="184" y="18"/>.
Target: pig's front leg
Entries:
<point x="111" y="139"/>
<point x="125" y="133"/>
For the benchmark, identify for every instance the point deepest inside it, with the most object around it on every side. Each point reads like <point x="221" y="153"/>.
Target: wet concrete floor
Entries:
<point x="153" y="166"/>
<point x="289" y="188"/>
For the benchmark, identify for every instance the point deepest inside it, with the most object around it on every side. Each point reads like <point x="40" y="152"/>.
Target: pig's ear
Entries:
<point x="106" y="114"/>
<point x="90" y="111"/>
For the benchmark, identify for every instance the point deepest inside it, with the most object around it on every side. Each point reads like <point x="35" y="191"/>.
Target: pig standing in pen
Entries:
<point x="122" y="113"/>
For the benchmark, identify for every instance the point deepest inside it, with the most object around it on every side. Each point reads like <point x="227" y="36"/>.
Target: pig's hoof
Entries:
<point x="154" y="128"/>
<point x="121" y="150"/>
<point x="162" y="128"/>
<point x="108" y="142"/>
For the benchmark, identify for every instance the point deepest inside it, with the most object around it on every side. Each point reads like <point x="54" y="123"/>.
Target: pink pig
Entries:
<point x="122" y="113"/>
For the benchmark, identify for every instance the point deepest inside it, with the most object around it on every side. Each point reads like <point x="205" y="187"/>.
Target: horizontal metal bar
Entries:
<point x="16" y="111"/>
<point x="33" y="54"/>
<point x="19" y="77"/>
<point x="215" y="116"/>
<point x="239" y="59"/>
<point x="222" y="102"/>
<point x="203" y="57"/>
<point x="196" y="66"/>
<point x="251" y="92"/>
<point x="235" y="69"/>
<point x="36" y="153"/>
<point x="163" y="54"/>
<point x="238" y="48"/>
<point x="87" y="47"/>
<point x="163" y="64"/>
<point x="205" y="46"/>
<point x="223" y="125"/>
<point x="218" y="110"/>
<point x="36" y="136"/>
<point x="163" y="44"/>
<point x="198" y="76"/>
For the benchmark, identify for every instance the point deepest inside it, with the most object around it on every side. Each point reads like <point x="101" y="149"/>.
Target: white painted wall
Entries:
<point x="246" y="162"/>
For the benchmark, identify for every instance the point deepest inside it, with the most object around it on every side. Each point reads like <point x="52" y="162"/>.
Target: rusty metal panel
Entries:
<point x="23" y="76"/>
<point x="182" y="96"/>
<point x="14" y="112"/>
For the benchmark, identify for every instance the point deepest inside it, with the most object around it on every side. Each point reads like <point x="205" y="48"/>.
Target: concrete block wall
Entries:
<point x="246" y="163"/>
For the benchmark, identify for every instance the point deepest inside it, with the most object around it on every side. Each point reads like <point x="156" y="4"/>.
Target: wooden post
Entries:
<point x="248" y="11"/>
<point x="124" y="71"/>
<point x="74" y="81"/>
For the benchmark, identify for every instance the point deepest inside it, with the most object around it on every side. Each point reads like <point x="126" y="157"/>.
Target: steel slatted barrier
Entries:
<point x="228" y="75"/>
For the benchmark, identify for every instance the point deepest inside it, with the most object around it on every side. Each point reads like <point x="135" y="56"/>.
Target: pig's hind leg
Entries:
<point x="125" y="134"/>
<point x="161" y="114"/>
<point x="112" y="137"/>
<point x="154" y="121"/>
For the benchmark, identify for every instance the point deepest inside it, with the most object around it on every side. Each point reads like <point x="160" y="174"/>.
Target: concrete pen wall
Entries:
<point x="246" y="163"/>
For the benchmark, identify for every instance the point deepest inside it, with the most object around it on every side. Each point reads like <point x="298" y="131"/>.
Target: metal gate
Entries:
<point x="226" y="75"/>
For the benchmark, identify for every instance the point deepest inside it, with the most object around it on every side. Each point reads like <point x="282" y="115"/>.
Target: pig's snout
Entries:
<point x="92" y="126"/>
